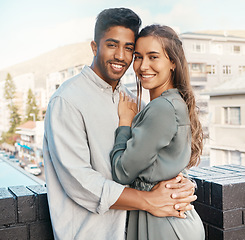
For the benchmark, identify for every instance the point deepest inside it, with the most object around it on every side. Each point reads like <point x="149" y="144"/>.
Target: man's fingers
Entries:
<point x="188" y="199"/>
<point x="169" y="211"/>
<point x="182" y="194"/>
<point x="177" y="185"/>
<point x="183" y="206"/>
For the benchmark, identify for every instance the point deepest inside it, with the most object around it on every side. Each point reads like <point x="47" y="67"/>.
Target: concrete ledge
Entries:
<point x="25" y="213"/>
<point x="220" y="204"/>
<point x="221" y="200"/>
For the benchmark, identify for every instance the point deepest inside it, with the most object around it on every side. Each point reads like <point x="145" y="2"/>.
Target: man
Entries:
<point x="79" y="133"/>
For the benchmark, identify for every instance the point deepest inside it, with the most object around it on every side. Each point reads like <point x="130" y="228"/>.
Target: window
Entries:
<point x="236" y="49"/>
<point x="198" y="48"/>
<point x="226" y="69"/>
<point x="232" y="157"/>
<point x="71" y="72"/>
<point x="232" y="115"/>
<point x="241" y="69"/>
<point x="211" y="69"/>
<point x="197" y="67"/>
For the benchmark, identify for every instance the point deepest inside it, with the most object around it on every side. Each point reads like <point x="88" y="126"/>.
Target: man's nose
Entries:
<point x="119" y="54"/>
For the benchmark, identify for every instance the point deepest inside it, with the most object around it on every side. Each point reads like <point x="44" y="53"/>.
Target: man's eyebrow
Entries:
<point x="112" y="40"/>
<point x="130" y="43"/>
<point x="117" y="41"/>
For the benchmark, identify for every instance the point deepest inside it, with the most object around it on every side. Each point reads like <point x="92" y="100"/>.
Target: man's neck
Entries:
<point x="110" y="82"/>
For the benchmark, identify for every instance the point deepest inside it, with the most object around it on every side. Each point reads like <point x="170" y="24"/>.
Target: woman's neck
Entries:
<point x="155" y="93"/>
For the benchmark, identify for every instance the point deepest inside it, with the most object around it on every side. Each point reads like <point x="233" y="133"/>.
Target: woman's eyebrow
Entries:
<point x="151" y="52"/>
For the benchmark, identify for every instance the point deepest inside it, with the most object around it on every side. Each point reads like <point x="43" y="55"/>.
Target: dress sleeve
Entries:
<point x="136" y="149"/>
<point x="66" y="146"/>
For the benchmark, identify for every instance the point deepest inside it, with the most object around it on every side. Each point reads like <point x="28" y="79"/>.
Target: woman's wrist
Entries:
<point x="124" y="122"/>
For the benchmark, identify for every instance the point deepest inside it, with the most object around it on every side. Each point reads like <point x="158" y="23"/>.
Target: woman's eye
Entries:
<point x="153" y="57"/>
<point x="137" y="57"/>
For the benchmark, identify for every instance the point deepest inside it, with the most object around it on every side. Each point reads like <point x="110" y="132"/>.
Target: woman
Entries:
<point x="165" y="137"/>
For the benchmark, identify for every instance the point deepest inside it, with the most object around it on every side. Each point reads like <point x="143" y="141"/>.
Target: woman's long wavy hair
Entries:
<point x="172" y="46"/>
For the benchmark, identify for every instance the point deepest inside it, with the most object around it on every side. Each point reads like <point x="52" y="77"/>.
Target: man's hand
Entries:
<point x="184" y="189"/>
<point x="172" y="197"/>
<point x="167" y="198"/>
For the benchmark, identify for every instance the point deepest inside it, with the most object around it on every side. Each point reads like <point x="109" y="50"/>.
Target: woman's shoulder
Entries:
<point x="159" y="106"/>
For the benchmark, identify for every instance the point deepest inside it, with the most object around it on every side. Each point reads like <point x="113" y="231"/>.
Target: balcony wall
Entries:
<point x="24" y="213"/>
<point x="221" y="201"/>
<point x="220" y="204"/>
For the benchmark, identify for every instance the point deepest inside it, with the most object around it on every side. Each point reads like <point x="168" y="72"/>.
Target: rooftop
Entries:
<point x="235" y="86"/>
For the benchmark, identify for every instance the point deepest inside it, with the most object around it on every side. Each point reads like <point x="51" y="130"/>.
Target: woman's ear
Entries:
<point x="173" y="66"/>
<point x="93" y="45"/>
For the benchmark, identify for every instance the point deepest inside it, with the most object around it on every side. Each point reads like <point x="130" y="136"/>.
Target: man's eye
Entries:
<point x="111" y="45"/>
<point x="130" y="49"/>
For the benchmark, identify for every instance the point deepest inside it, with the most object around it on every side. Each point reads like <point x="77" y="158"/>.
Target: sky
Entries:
<point x="29" y="28"/>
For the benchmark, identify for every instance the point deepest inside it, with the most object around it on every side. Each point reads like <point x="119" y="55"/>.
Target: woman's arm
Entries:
<point x="137" y="149"/>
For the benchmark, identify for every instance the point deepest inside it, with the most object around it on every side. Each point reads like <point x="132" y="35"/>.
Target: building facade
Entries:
<point x="212" y="60"/>
<point x="227" y="125"/>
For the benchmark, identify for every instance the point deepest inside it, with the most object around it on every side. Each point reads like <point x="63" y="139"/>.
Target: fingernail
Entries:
<point x="178" y="178"/>
<point x="176" y="206"/>
<point x="174" y="195"/>
<point x="167" y="186"/>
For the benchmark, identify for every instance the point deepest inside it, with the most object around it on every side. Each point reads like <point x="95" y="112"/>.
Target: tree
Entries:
<point x="31" y="107"/>
<point x="9" y="95"/>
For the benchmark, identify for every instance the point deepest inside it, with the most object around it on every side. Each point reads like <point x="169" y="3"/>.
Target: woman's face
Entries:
<point x="152" y="66"/>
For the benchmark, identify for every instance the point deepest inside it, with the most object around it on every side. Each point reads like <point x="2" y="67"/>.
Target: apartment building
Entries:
<point x="227" y="125"/>
<point x="55" y="79"/>
<point x="212" y="60"/>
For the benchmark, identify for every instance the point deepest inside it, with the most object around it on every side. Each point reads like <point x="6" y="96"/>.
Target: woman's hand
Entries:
<point x="127" y="109"/>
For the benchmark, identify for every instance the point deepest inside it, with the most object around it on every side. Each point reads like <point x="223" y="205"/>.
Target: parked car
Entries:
<point x="33" y="169"/>
<point x="15" y="160"/>
<point x="2" y="152"/>
<point x="5" y="156"/>
<point x="22" y="164"/>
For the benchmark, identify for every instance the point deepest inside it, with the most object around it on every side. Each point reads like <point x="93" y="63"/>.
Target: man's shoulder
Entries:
<point x="71" y="87"/>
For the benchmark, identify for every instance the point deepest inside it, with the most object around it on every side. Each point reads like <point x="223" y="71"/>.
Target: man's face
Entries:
<point x="114" y="54"/>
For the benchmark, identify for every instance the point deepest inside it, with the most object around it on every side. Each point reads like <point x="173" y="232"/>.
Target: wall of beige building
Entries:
<point x="227" y="139"/>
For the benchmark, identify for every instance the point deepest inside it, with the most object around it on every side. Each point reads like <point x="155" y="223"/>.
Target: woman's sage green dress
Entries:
<point x="157" y="147"/>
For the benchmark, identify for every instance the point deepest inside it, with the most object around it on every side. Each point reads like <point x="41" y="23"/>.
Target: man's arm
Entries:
<point x="67" y="153"/>
<point x="168" y="198"/>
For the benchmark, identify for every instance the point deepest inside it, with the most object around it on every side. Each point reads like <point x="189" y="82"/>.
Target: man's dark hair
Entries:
<point x="116" y="17"/>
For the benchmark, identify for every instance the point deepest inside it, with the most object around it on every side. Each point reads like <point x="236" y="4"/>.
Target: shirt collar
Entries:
<point x="98" y="81"/>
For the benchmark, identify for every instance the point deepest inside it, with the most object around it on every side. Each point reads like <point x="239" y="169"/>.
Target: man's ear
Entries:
<point x="93" y="45"/>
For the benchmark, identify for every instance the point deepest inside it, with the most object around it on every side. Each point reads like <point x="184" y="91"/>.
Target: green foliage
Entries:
<point x="9" y="95"/>
<point x="9" y="89"/>
<point x="14" y="119"/>
<point x="31" y="107"/>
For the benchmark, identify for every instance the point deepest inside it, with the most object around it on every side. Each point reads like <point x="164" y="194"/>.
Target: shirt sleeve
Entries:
<point x="136" y="149"/>
<point x="68" y="150"/>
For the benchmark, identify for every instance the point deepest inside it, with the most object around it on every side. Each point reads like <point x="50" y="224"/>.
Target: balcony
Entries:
<point x="220" y="204"/>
